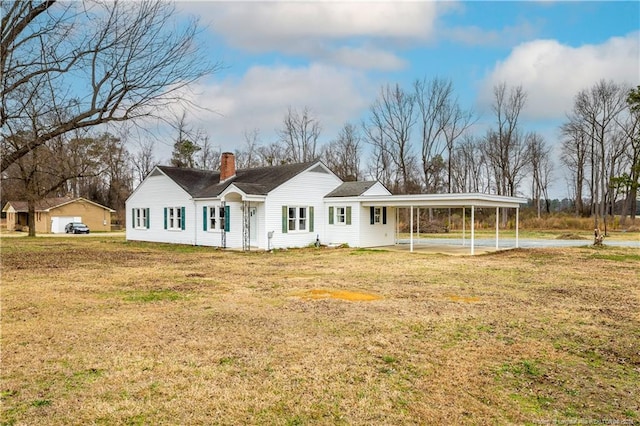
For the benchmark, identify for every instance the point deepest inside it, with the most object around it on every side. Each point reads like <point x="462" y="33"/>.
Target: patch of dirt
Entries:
<point x="351" y="296"/>
<point x="463" y="299"/>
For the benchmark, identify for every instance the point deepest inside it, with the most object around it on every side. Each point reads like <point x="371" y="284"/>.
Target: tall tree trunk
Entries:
<point x="31" y="217"/>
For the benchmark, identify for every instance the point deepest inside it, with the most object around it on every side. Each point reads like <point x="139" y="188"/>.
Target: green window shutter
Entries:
<point x="165" y="218"/>
<point x="204" y="218"/>
<point x="285" y="219"/>
<point x="330" y="215"/>
<point x="133" y="218"/>
<point x="182" y="218"/>
<point x="148" y="218"/>
<point x="227" y="218"/>
<point x="348" y="215"/>
<point x="372" y="215"/>
<point x="384" y="215"/>
<point x="311" y="219"/>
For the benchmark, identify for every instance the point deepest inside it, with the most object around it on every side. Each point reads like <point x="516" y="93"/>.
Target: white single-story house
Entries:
<point x="290" y="205"/>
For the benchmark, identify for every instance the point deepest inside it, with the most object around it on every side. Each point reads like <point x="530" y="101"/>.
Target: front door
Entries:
<point x="253" y="226"/>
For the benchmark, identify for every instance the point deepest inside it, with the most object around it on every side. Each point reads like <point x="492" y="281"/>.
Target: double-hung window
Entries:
<point x="140" y="218"/>
<point x="378" y="215"/>
<point x="297" y="219"/>
<point x="341" y="215"/>
<point x="174" y="218"/>
<point x="216" y="218"/>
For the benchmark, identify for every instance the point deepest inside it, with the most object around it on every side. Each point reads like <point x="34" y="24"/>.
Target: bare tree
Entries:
<point x="433" y="99"/>
<point x="249" y="156"/>
<point x="595" y="111"/>
<point x="575" y="149"/>
<point x="468" y="167"/>
<point x="273" y="154"/>
<point x="631" y="128"/>
<point x="540" y="166"/>
<point x="74" y="65"/>
<point x="389" y="130"/>
<point x="186" y="146"/>
<point x="456" y="123"/>
<point x="300" y="133"/>
<point x="503" y="145"/>
<point x="143" y="160"/>
<point x="380" y="166"/>
<point x="342" y="155"/>
<point x="208" y="157"/>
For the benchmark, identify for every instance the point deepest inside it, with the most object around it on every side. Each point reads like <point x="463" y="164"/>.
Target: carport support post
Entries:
<point x="497" y="225"/>
<point x="473" y="211"/>
<point x="517" y="226"/>
<point x="411" y="230"/>
<point x="464" y="219"/>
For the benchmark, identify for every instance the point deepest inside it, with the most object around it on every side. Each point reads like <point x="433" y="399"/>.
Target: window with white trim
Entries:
<point x="297" y="218"/>
<point x="174" y="218"/>
<point x="140" y="218"/>
<point x="378" y="215"/>
<point x="341" y="215"/>
<point x="216" y="218"/>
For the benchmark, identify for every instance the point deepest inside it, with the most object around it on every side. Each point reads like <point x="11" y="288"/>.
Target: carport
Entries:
<point x="453" y="201"/>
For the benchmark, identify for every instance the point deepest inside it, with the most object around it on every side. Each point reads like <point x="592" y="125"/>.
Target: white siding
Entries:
<point x="156" y="193"/>
<point x="305" y="190"/>
<point x="377" y="234"/>
<point x="210" y="237"/>
<point x="343" y="233"/>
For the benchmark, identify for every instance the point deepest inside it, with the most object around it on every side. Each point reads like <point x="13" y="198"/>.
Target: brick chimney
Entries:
<point x="227" y="166"/>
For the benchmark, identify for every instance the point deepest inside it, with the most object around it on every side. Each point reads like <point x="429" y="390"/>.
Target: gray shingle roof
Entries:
<point x="256" y="181"/>
<point x="351" y="189"/>
<point x="191" y="180"/>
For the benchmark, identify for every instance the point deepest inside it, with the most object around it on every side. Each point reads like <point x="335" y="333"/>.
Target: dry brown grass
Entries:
<point x="100" y="331"/>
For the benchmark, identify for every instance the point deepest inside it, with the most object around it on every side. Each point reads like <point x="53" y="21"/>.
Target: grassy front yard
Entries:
<point x="101" y="331"/>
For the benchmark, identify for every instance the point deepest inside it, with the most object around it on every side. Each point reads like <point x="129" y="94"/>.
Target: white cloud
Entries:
<point x="553" y="73"/>
<point x="274" y="23"/>
<point x="260" y="98"/>
<point x="335" y="32"/>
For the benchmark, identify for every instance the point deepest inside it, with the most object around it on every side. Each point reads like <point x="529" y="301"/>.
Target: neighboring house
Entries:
<point x="291" y="205"/>
<point x="52" y="214"/>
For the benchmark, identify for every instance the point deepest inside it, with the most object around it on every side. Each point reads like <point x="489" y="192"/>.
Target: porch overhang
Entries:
<point x="251" y="198"/>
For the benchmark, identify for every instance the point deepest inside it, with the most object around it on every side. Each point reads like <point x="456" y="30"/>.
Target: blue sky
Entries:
<point x="333" y="57"/>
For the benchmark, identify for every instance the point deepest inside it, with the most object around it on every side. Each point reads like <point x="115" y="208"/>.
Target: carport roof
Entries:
<point x="439" y="200"/>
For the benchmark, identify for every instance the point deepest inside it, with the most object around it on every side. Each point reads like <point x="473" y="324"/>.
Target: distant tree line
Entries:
<point x="601" y="149"/>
